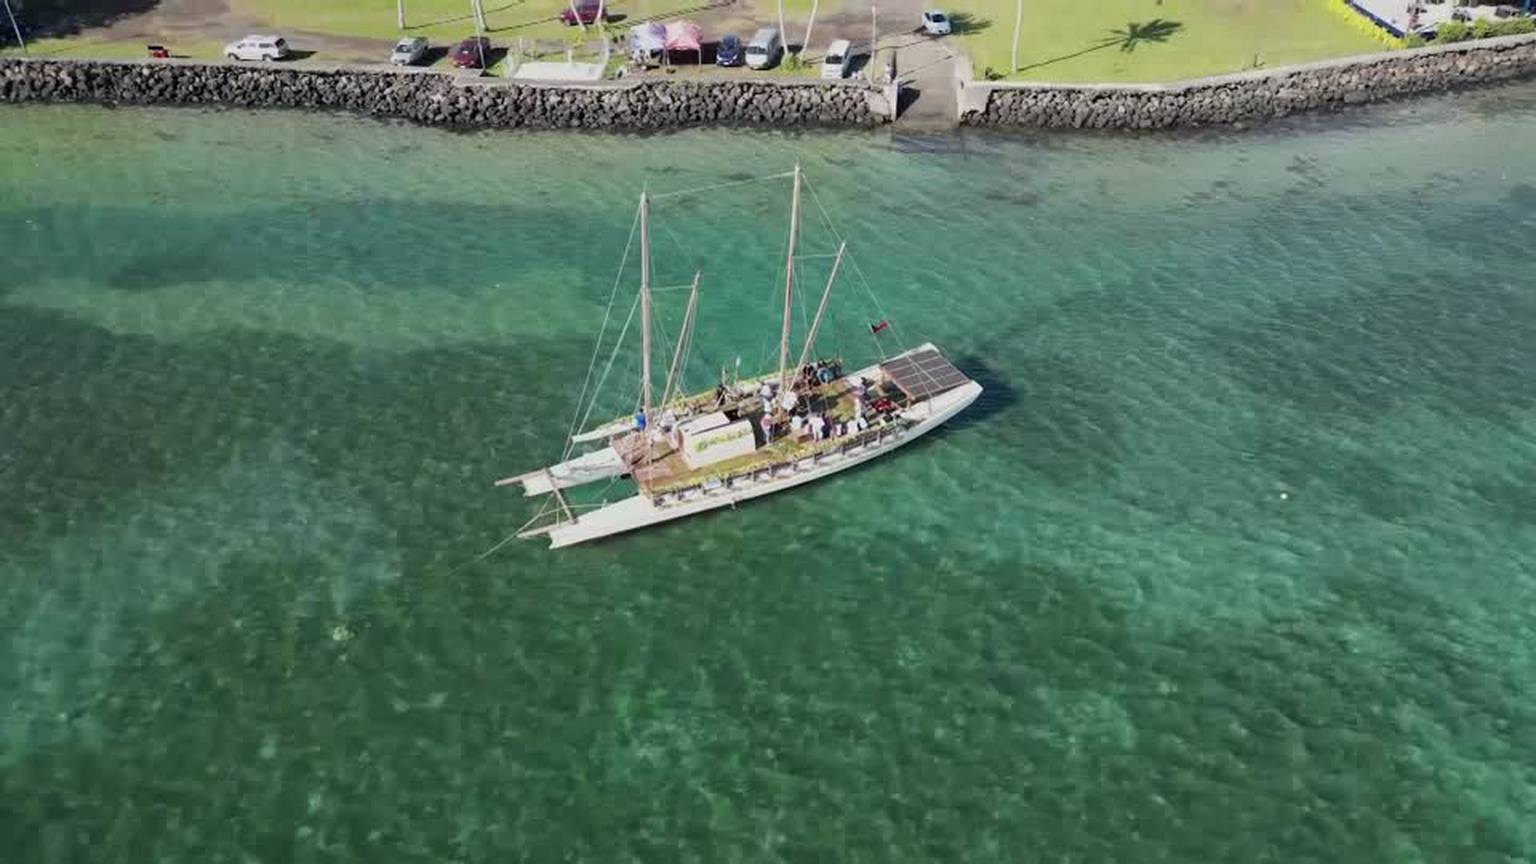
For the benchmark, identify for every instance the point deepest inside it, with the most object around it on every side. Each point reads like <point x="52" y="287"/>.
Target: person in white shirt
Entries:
<point x="796" y="423"/>
<point x="788" y="400"/>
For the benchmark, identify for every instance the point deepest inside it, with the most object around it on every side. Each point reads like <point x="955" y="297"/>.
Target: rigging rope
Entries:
<point x="577" y="420"/>
<point x="857" y="270"/>
<point x="726" y="185"/>
<point x="686" y="340"/>
<point x="571" y="445"/>
<point x="583" y="416"/>
<point x="678" y="388"/>
<point x="502" y="542"/>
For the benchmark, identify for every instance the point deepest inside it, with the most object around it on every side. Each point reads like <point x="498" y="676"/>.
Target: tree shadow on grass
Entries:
<point x="1127" y="39"/>
<point x="1133" y="34"/>
<point x="964" y="24"/>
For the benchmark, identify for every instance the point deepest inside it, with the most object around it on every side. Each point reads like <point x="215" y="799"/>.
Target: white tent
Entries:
<point x="647" y="42"/>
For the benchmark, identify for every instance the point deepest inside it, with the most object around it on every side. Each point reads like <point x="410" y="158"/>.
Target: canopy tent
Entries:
<point x="684" y="36"/>
<point x="647" y="41"/>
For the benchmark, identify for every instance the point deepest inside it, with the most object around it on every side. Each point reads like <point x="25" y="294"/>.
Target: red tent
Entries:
<point x="684" y="36"/>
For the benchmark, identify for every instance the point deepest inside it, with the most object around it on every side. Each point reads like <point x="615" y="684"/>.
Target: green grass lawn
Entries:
<point x="1154" y="40"/>
<point x="87" y="46"/>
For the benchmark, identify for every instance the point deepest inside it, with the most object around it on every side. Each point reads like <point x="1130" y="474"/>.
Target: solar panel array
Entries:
<point x="924" y="374"/>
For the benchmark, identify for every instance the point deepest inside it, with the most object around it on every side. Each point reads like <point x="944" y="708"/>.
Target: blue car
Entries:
<point x="728" y="52"/>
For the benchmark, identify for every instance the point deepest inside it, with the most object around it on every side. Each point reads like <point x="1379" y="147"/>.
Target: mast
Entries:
<point x="683" y="335"/>
<point x="822" y="308"/>
<point x="789" y="276"/>
<point x="645" y="308"/>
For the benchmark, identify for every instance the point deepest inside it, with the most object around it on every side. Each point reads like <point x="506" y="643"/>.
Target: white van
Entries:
<point x="835" y="65"/>
<point x="764" y="49"/>
<point x="257" y="48"/>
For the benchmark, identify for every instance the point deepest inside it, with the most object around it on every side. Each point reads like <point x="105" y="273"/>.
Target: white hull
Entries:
<point x="594" y="466"/>
<point x="640" y="512"/>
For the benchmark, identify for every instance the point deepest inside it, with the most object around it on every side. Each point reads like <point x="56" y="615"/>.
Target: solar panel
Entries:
<point x="923" y="374"/>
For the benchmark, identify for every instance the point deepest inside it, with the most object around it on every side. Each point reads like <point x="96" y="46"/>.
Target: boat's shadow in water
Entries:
<point x="997" y="395"/>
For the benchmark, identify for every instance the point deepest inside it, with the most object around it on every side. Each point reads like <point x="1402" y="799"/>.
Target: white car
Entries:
<point x="257" y="48"/>
<point x="409" y="51"/>
<point x="764" y="49"/>
<point x="835" y="65"/>
<point x="935" y="23"/>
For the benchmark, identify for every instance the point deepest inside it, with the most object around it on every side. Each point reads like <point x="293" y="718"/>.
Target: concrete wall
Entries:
<point x="447" y="100"/>
<point x="1248" y="95"/>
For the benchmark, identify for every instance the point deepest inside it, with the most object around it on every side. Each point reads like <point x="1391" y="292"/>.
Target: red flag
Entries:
<point x="876" y="328"/>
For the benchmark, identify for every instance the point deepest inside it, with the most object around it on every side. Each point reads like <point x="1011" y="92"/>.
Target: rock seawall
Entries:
<point x="443" y="100"/>
<point x="1249" y="95"/>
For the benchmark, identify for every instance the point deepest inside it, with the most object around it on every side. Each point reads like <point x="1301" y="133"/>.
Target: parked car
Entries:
<point x="257" y="48"/>
<point x="409" y="51"/>
<point x="764" y="49"/>
<point x="587" y="12"/>
<point x="935" y="23"/>
<point x="728" y="52"/>
<point x="834" y="66"/>
<point x="472" y="53"/>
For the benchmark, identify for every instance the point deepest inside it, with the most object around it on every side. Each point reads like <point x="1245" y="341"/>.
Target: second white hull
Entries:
<point x="640" y="512"/>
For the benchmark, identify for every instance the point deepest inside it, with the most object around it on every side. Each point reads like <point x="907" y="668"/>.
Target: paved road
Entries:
<point x="927" y="64"/>
<point x="928" y="67"/>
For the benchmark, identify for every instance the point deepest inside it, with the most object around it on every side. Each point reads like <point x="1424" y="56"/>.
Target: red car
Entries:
<point x="472" y="53"/>
<point x="586" y="11"/>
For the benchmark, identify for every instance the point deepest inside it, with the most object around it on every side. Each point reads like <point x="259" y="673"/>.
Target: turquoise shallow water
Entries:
<point x="1232" y="562"/>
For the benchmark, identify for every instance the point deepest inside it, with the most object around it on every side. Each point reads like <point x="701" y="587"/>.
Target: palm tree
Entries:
<point x="806" y="42"/>
<point x="1018" y="24"/>
<point x="782" y="33"/>
<point x="14" y="28"/>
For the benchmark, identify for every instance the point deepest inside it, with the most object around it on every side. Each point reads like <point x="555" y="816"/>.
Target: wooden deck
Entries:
<point x="668" y="472"/>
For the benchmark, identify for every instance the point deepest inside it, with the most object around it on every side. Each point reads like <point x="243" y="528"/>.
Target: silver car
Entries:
<point x="409" y="51"/>
<point x="935" y="23"/>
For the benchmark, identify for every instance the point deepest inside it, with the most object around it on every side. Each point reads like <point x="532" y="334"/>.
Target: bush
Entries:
<point x="1516" y="26"/>
<point x="1453" y="31"/>
<point x="1457" y="31"/>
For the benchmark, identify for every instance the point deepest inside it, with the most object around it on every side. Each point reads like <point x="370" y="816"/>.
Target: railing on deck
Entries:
<point x="841" y="447"/>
